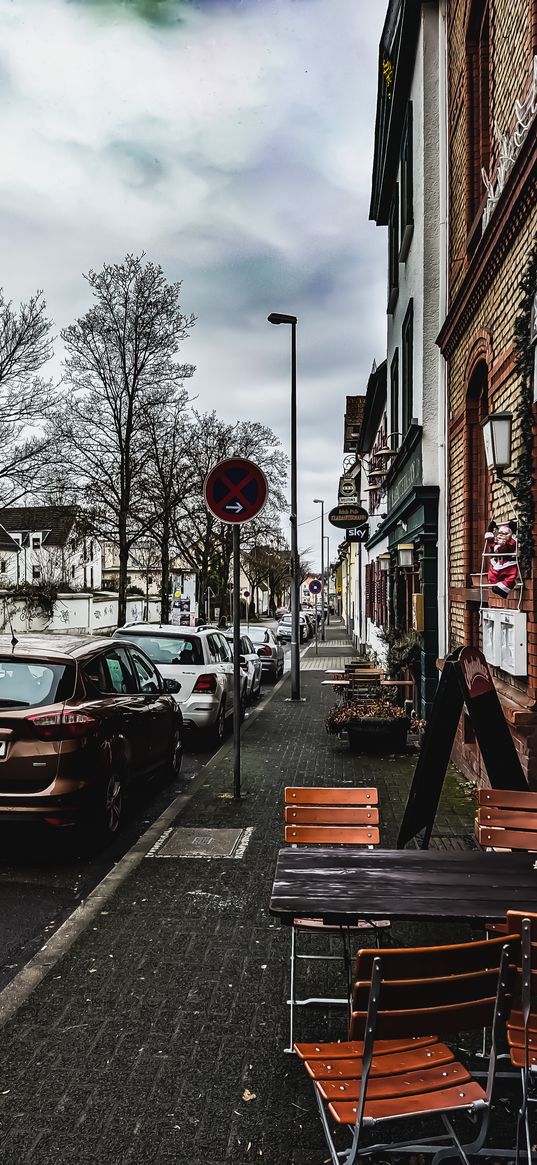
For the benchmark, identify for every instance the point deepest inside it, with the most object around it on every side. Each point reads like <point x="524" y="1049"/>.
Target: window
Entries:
<point x="3" y="566"/>
<point x="73" y="570"/>
<point x="146" y="675"/>
<point x="477" y="114"/>
<point x="407" y="187"/>
<point x="225" y="650"/>
<point x="394" y="400"/>
<point x="36" y="573"/>
<point x="407" y="342"/>
<point x="168" y="649"/>
<point x="393" y="252"/>
<point x="476" y="514"/>
<point x="30" y="683"/>
<point x="111" y="673"/>
<point x="36" y="541"/>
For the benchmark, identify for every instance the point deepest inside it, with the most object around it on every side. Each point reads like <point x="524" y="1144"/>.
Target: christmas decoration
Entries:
<point x="503" y="566"/>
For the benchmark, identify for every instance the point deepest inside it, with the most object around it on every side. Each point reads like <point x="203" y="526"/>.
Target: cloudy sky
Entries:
<point x="232" y="141"/>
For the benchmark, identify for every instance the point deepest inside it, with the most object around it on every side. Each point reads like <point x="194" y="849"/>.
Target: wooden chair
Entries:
<point x="522" y="1021"/>
<point x="328" y="816"/>
<point x="394" y="1066"/>
<point x="506" y="819"/>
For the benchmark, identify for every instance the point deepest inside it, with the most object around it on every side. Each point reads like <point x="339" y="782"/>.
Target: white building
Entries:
<point x="50" y="548"/>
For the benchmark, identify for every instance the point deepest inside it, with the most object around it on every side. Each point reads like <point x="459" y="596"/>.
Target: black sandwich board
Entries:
<point x="465" y="681"/>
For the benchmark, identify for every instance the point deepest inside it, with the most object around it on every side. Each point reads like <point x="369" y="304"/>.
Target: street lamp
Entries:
<point x="277" y="318"/>
<point x="327" y="560"/>
<point x="320" y="502"/>
<point x="497" y="437"/>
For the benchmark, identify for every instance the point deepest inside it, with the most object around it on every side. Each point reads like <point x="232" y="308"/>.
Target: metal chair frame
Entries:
<point x="446" y="1144"/>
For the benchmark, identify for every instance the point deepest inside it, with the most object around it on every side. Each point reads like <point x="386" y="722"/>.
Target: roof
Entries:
<point x="397" y="53"/>
<point x="56" y="522"/>
<point x="7" y="542"/>
<point x="375" y="403"/>
<point x="354" y="411"/>
<point x="50" y="646"/>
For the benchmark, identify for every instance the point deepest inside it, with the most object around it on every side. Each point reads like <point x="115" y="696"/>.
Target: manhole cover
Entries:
<point x="201" y="843"/>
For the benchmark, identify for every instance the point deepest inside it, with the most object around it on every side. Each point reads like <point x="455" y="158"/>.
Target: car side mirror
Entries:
<point x="171" y="686"/>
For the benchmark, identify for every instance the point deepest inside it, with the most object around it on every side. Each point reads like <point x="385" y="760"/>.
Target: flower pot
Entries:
<point x="375" y="734"/>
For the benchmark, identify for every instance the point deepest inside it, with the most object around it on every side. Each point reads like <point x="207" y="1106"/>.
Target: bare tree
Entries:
<point x="205" y="543"/>
<point x="168" y="474"/>
<point x="25" y="346"/>
<point x="122" y="366"/>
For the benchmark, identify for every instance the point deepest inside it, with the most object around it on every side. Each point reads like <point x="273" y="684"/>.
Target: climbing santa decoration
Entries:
<point x="501" y="551"/>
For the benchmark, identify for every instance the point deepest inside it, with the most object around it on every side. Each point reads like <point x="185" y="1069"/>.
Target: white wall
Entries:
<point x="76" y="614"/>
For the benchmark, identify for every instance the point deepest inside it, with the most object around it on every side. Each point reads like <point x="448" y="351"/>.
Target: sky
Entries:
<point x="231" y="140"/>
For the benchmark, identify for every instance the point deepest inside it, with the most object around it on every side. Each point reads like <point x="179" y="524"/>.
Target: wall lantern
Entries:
<point x="497" y="434"/>
<point x="384" y="561"/>
<point x="405" y="554"/>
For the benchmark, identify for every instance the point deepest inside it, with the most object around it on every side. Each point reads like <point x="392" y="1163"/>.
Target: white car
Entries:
<point x="201" y="661"/>
<point x="251" y="665"/>
<point x="284" y="630"/>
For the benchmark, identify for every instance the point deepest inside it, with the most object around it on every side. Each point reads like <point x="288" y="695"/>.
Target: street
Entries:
<point x="45" y="873"/>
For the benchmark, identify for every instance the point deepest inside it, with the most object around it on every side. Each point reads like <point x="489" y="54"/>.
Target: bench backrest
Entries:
<point x="506" y="819"/>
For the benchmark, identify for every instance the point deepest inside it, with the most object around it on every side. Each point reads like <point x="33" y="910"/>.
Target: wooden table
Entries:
<point x="342" y="885"/>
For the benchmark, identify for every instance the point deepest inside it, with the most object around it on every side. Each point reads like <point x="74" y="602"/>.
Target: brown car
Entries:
<point x="80" y="719"/>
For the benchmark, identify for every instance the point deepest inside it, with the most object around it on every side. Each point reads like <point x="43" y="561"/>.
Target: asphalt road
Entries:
<point x="45" y="873"/>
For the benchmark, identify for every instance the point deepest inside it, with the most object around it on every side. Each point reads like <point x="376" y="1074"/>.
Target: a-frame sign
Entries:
<point x="465" y="682"/>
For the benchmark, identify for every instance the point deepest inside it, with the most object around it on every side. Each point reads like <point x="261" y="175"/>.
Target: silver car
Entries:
<point x="268" y="649"/>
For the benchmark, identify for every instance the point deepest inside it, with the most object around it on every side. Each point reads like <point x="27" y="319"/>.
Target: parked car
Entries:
<point x="281" y="611"/>
<point x="250" y="664"/>
<point x="268" y="649"/>
<point x="202" y="662"/>
<point x="311" y="623"/>
<point x="81" y="719"/>
<point x="284" y="630"/>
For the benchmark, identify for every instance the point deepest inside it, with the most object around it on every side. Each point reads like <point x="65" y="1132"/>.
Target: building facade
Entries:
<point x="488" y="343"/>
<point x="407" y="458"/>
<point x="52" y="547"/>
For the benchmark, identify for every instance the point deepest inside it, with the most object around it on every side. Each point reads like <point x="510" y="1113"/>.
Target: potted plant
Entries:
<point x="376" y="726"/>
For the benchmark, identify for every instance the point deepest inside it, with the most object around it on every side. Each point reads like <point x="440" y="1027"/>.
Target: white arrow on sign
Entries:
<point x="236" y="507"/>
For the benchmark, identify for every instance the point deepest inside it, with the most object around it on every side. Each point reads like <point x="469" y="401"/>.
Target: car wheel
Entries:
<point x="219" y="726"/>
<point x="106" y="812"/>
<point x="177" y="756"/>
<point x="280" y="670"/>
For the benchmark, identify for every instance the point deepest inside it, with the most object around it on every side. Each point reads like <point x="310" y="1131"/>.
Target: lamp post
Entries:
<point x="277" y="318"/>
<point x="320" y="502"/>
<point x="327" y="560"/>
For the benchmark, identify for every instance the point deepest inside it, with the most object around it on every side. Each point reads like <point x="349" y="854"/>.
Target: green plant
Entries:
<point x="403" y="649"/>
<point x="36" y="599"/>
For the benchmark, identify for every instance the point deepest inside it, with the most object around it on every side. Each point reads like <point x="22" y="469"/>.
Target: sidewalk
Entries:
<point x="139" y="1045"/>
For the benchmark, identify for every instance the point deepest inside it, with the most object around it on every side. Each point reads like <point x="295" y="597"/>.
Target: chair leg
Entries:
<point x="292" y="991"/>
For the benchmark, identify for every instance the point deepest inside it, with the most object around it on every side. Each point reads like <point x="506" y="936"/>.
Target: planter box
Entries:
<point x="378" y="735"/>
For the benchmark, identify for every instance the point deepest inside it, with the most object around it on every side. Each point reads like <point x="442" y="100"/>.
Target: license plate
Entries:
<point x="3" y="747"/>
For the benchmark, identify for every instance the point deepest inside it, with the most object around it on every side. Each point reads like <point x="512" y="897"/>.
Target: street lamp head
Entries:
<point x="318" y="501"/>
<point x="275" y="317"/>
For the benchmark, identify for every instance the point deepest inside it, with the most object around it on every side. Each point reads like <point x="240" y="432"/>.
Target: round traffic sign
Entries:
<point x="235" y="490"/>
<point x="315" y="586"/>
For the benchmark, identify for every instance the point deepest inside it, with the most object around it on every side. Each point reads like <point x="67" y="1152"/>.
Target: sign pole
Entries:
<point x="236" y="663"/>
<point x="316" y="629"/>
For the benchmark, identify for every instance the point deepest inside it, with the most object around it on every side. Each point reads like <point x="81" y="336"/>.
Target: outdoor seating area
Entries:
<point x="429" y="1024"/>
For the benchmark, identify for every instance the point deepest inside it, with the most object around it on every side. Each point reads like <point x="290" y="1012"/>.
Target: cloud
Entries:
<point x="233" y="143"/>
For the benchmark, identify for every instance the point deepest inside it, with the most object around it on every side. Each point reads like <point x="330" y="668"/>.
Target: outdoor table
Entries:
<point x="340" y="886"/>
<point x="335" y="683"/>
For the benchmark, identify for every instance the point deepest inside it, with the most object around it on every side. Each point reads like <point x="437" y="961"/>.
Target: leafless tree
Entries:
<point x="25" y="347"/>
<point x="122" y="366"/>
<point x="169" y="474"/>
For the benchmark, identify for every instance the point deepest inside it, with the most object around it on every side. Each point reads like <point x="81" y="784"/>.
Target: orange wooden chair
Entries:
<point x="506" y="819"/>
<point x="393" y="1065"/>
<point x="328" y="816"/>
<point x="522" y="1021"/>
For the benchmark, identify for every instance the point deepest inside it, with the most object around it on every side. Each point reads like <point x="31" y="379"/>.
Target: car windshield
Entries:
<point x="286" y="619"/>
<point x="162" y="649"/>
<point x="258" y="634"/>
<point x="29" y="683"/>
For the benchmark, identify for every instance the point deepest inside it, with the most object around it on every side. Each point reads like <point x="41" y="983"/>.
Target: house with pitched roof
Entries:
<point x="48" y="544"/>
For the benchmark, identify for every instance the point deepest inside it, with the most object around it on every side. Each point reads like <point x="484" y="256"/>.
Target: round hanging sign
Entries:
<point x="315" y="586"/>
<point x="345" y="516"/>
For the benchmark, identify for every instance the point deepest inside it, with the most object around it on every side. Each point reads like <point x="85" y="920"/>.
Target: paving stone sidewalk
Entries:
<point x="139" y="1046"/>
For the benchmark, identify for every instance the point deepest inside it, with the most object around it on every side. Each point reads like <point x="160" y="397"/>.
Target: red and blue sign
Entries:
<point x="235" y="490"/>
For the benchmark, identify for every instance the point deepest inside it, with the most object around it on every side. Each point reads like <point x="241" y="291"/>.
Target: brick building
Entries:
<point x="488" y="341"/>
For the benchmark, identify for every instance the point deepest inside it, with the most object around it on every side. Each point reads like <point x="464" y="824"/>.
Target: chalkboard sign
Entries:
<point x="465" y="681"/>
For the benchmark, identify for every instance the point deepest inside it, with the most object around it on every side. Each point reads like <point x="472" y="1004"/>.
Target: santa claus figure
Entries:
<point x="502" y="572"/>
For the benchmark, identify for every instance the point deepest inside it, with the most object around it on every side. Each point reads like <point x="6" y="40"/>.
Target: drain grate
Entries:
<point x="186" y="842"/>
